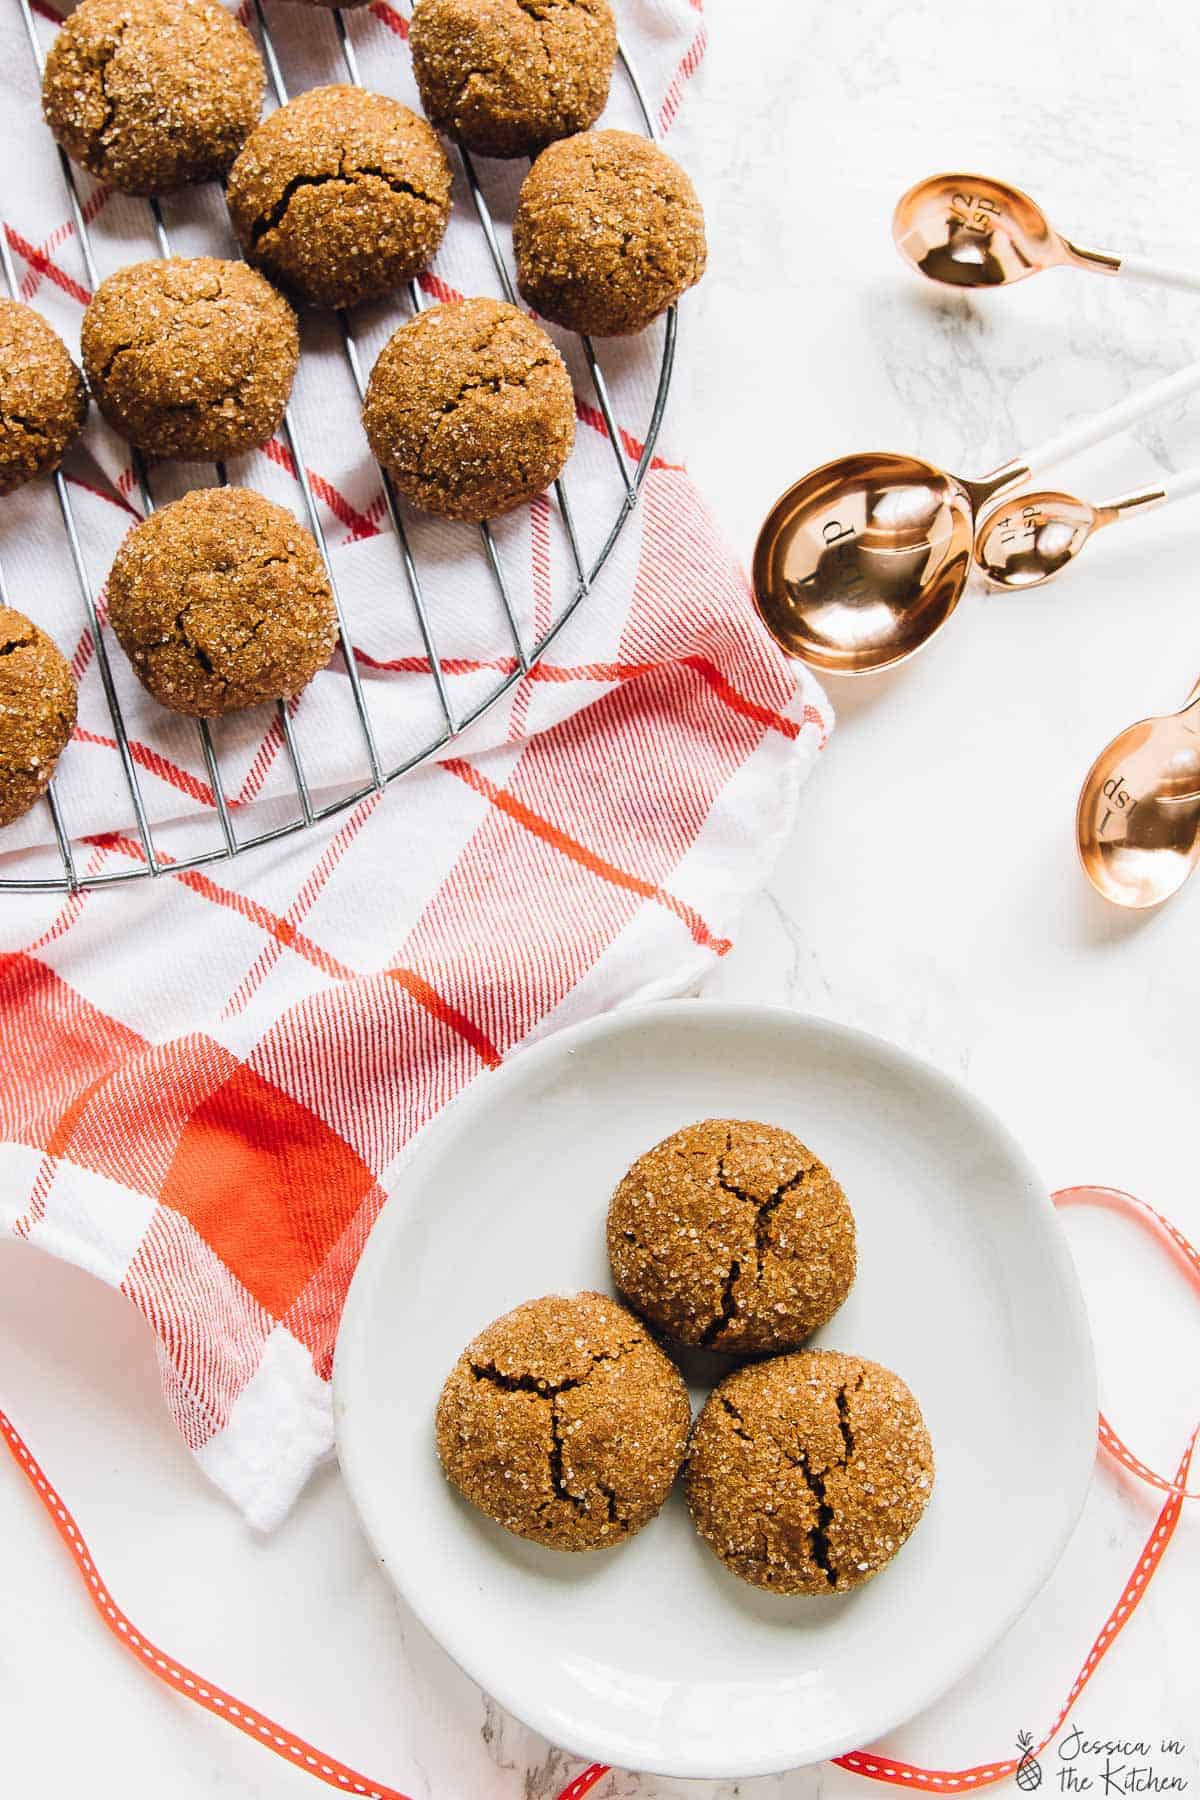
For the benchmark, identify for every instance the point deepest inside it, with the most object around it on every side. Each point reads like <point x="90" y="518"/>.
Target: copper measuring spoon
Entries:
<point x="862" y="561"/>
<point x="1029" y="539"/>
<point x="1138" y="820"/>
<point x="971" y="231"/>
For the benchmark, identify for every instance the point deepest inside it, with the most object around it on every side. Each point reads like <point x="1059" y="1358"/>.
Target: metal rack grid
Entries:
<point x="629" y="474"/>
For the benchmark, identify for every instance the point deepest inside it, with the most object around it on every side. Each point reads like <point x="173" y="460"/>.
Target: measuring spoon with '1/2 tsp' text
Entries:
<point x="971" y="231"/>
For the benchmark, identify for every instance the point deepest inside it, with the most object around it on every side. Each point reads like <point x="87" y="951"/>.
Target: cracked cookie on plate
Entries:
<point x="190" y="357"/>
<point x="470" y="409"/>
<point x="340" y="195"/>
<point x="732" y="1236"/>
<point x="806" y="1474"/>
<point x="152" y="95"/>
<point x="564" y="1422"/>
<point x="221" y="601"/>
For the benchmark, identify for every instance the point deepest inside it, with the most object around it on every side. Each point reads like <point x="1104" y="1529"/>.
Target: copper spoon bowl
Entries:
<point x="1138" y="820"/>
<point x="972" y="231"/>
<point x="858" y="564"/>
<point x="1028" y="540"/>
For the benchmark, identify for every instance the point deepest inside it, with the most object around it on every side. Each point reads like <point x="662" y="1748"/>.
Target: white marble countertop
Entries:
<point x="930" y="894"/>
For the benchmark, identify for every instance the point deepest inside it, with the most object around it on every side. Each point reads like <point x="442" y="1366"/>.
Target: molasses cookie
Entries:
<point x="43" y="401"/>
<point x="152" y="95"/>
<point x="37" y="712"/>
<point x="564" y="1423"/>
<point x="470" y="409"/>
<point x="340" y="195"/>
<point x="221" y="601"/>
<point x="806" y="1474"/>
<point x="190" y="356"/>
<point x="608" y="233"/>
<point x="733" y="1236"/>
<point x="508" y="76"/>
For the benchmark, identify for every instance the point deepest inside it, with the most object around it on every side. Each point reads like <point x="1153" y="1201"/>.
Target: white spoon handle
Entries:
<point x="1085" y="432"/>
<point x="1181" y="487"/>
<point x="1141" y="268"/>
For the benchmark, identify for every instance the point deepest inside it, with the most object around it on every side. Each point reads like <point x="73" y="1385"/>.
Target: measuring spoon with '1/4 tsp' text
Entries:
<point x="1030" y="538"/>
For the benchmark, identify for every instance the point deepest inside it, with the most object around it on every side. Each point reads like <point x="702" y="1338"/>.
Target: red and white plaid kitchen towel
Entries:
<point x="207" y="1082"/>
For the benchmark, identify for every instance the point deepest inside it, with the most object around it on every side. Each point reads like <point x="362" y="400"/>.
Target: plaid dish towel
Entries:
<point x="208" y="1081"/>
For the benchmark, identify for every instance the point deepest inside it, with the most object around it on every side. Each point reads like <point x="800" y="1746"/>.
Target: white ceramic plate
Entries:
<point x="650" y="1656"/>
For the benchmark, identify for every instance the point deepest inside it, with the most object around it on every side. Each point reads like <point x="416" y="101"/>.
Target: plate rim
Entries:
<point x="351" y="1344"/>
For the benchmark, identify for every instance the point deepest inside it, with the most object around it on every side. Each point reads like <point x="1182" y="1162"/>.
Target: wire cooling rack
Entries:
<point x="628" y="474"/>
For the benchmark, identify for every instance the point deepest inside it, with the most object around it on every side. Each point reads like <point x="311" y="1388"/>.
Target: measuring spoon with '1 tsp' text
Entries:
<point x="1138" y="820"/>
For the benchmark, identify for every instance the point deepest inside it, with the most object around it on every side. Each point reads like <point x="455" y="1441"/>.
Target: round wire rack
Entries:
<point x="628" y="472"/>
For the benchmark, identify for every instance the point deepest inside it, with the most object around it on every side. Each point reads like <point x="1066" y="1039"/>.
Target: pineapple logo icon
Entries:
<point x="1029" y="1769"/>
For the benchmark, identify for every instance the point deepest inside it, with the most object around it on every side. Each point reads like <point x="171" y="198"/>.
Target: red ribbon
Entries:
<point x="339" y="1775"/>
